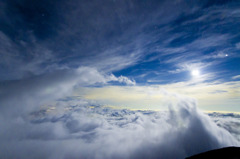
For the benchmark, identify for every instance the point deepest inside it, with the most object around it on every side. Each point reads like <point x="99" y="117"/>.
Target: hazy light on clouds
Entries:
<point x="210" y="95"/>
<point x="188" y="66"/>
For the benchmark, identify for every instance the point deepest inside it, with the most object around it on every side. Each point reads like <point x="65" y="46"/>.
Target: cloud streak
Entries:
<point x="236" y="77"/>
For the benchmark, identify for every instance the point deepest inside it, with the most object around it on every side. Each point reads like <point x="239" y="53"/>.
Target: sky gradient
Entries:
<point x="118" y="79"/>
<point x="150" y="45"/>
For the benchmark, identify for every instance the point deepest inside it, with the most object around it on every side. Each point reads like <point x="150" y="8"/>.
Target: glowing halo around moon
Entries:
<point x="195" y="73"/>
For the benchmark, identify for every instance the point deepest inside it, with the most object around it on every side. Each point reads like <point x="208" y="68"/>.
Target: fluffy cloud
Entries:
<point x="27" y="94"/>
<point x="37" y="122"/>
<point x="81" y="129"/>
<point x="228" y="121"/>
<point x="122" y="79"/>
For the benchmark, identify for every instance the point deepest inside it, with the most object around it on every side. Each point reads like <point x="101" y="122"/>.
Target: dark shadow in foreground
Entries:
<point x="223" y="153"/>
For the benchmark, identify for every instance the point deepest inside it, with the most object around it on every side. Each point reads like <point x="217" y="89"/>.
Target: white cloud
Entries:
<point x="123" y="79"/>
<point x="228" y="121"/>
<point x="86" y="131"/>
<point x="210" y="41"/>
<point x="189" y="66"/>
<point x="217" y="55"/>
<point x="236" y="77"/>
<point x="238" y="45"/>
<point x="27" y="94"/>
<point x="69" y="129"/>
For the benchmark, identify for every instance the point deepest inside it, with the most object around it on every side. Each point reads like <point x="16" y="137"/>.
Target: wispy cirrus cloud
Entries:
<point x="154" y="35"/>
<point x="188" y="67"/>
<point x="236" y="77"/>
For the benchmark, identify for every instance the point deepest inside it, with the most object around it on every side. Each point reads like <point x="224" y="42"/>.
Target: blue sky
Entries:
<point x="145" y="44"/>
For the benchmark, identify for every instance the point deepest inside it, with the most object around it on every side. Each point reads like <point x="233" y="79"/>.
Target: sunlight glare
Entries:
<point x="195" y="73"/>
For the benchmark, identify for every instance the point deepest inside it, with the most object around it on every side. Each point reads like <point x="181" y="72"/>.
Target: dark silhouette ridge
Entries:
<point x="223" y="153"/>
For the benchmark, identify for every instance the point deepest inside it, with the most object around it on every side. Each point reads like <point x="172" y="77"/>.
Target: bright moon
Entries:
<point x="195" y="73"/>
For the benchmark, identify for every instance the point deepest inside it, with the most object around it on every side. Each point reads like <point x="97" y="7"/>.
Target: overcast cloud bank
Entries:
<point x="81" y="129"/>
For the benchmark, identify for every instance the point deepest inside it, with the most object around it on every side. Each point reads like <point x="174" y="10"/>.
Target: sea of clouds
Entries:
<point x="80" y="129"/>
<point x="33" y="126"/>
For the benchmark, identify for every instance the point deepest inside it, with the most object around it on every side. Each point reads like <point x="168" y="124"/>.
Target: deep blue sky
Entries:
<point x="144" y="40"/>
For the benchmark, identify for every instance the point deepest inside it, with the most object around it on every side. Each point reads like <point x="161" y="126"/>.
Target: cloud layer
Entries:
<point x="39" y="120"/>
<point x="83" y="129"/>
